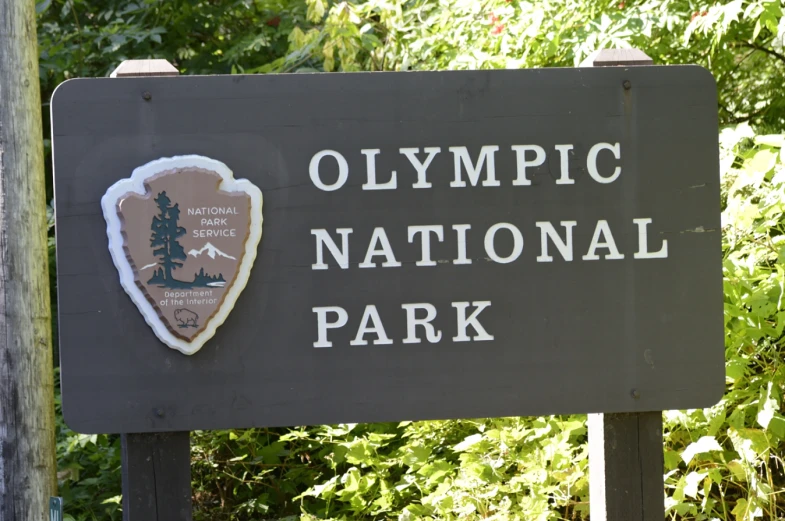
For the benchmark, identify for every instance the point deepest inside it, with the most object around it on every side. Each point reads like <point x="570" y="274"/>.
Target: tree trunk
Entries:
<point x="27" y="445"/>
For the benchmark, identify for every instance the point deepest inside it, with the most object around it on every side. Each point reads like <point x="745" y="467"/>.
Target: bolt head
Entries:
<point x="147" y="96"/>
<point x="627" y="84"/>
<point x="159" y="412"/>
<point x="636" y="394"/>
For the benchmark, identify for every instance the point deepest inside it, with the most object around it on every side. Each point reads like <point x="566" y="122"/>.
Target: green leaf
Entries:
<point x="468" y="442"/>
<point x="761" y="162"/>
<point x="735" y="368"/>
<point x="416" y="455"/>
<point x="751" y="444"/>
<point x="42" y="5"/>
<point x="436" y="471"/>
<point x="691" y="482"/>
<point x="772" y="140"/>
<point x="777" y="426"/>
<point x="672" y="459"/>
<point x="756" y="31"/>
<point x="316" y="9"/>
<point x="768" y="406"/>
<point x="737" y="469"/>
<point x="704" y="444"/>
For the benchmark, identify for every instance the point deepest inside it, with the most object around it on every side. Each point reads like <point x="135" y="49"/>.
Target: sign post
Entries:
<point x="157" y="476"/>
<point x="430" y="245"/>
<point x="156" y="466"/>
<point x="626" y="463"/>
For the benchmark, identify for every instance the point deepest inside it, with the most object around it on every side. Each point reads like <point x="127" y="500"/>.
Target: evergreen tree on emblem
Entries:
<point x="164" y="240"/>
<point x="169" y="251"/>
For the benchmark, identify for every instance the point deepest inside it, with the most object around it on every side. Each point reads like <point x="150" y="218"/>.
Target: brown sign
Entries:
<point x="188" y="240"/>
<point x="452" y="244"/>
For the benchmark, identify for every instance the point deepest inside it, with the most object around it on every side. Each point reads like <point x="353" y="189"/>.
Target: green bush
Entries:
<point x="88" y="471"/>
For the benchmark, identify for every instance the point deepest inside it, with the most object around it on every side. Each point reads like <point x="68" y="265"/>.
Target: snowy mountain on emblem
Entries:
<point x="211" y="252"/>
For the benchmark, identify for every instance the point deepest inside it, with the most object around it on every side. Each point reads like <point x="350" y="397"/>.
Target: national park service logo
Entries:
<point x="183" y="235"/>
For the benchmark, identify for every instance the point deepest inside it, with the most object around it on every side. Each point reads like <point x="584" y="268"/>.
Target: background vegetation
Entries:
<point x="721" y="463"/>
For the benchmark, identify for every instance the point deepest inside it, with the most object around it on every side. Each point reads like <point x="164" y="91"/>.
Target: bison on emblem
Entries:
<point x="186" y="318"/>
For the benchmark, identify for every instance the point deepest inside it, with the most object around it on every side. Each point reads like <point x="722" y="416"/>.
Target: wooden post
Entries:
<point x="625" y="450"/>
<point x="626" y="467"/>
<point x="157" y="477"/>
<point x="27" y="444"/>
<point x="156" y="467"/>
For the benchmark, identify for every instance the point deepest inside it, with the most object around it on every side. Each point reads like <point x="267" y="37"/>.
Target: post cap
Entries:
<point x="613" y="57"/>
<point x="144" y="68"/>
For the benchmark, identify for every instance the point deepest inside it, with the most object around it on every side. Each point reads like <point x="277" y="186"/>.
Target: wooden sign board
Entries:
<point x="431" y="245"/>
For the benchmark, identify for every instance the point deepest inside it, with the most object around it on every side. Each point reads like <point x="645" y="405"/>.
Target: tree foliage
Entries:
<point x="724" y="462"/>
<point x="740" y="41"/>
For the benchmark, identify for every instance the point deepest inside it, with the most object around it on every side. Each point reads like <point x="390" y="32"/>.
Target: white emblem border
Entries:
<point x="135" y="184"/>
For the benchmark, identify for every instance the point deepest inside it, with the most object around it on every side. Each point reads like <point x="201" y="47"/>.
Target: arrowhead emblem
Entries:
<point x="183" y="234"/>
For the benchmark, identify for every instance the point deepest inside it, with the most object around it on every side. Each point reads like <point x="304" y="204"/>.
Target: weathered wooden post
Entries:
<point x="156" y="466"/>
<point x="625" y="450"/>
<point x="27" y="447"/>
<point x="157" y="477"/>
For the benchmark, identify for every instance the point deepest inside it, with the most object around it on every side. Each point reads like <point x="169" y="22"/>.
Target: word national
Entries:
<point x="213" y="210"/>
